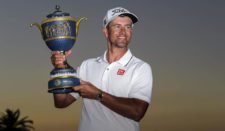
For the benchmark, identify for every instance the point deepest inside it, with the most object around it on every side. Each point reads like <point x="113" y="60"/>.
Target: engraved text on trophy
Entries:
<point x="56" y="30"/>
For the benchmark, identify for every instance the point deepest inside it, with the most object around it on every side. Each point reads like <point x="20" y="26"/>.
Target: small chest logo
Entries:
<point x="120" y="72"/>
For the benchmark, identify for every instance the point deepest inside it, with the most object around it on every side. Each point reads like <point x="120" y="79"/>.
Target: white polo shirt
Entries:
<point x="128" y="77"/>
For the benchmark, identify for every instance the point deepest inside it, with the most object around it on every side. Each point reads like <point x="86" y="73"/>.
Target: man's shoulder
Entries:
<point x="139" y="65"/>
<point x="91" y="60"/>
<point x="138" y="61"/>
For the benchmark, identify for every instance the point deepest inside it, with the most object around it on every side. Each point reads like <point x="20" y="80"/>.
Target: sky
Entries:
<point x="182" y="40"/>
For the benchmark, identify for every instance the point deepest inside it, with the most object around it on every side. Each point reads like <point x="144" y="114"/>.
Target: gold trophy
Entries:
<point x="60" y="31"/>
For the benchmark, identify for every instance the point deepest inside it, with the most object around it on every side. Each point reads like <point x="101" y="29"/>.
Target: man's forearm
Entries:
<point x="128" y="107"/>
<point x="63" y="100"/>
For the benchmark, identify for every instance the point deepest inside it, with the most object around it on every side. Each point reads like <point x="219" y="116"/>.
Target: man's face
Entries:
<point x="119" y="32"/>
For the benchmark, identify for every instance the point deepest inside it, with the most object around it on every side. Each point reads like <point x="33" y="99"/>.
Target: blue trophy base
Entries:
<point x="63" y="81"/>
<point x="61" y="90"/>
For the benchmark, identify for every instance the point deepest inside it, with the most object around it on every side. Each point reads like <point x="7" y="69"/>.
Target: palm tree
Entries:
<point x="10" y="121"/>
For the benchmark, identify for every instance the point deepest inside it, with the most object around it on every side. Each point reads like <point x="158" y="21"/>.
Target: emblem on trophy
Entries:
<point x="60" y="31"/>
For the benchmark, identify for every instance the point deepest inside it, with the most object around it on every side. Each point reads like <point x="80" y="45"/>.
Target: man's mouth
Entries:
<point x="121" y="37"/>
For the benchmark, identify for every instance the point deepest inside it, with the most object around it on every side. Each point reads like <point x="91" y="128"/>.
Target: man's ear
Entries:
<point x="105" y="32"/>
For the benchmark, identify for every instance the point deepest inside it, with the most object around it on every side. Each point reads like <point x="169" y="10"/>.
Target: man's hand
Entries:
<point x="87" y="90"/>
<point x="59" y="58"/>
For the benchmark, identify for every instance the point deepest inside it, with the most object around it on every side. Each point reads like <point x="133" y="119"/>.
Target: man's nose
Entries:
<point x="122" y="30"/>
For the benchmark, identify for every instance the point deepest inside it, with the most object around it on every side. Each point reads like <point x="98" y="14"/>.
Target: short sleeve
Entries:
<point x="142" y="83"/>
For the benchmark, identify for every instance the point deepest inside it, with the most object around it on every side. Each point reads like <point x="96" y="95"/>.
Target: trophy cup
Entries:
<point x="60" y="31"/>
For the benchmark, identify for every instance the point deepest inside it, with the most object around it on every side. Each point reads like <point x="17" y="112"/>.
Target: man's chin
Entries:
<point x="122" y="45"/>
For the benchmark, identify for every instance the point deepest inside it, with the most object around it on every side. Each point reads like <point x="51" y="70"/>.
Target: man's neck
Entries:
<point x="115" y="54"/>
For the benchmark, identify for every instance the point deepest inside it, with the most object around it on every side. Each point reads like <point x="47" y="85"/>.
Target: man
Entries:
<point x="116" y="87"/>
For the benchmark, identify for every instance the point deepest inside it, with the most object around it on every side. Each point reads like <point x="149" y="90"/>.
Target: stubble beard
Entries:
<point x="121" y="43"/>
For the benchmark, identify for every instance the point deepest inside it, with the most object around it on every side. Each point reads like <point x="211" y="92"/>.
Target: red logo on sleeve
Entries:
<point x="120" y="72"/>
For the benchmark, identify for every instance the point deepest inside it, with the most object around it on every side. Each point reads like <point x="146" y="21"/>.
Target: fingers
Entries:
<point x="83" y="82"/>
<point x="67" y="53"/>
<point x="80" y="88"/>
<point x="58" y="58"/>
<point x="86" y="90"/>
<point x="77" y="88"/>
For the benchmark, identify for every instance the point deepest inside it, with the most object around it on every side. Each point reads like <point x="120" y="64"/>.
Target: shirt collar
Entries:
<point x="124" y="60"/>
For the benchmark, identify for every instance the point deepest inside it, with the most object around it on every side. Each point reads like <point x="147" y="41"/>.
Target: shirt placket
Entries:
<point x="105" y="76"/>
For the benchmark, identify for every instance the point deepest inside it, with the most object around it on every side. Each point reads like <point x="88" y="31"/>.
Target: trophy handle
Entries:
<point x="36" y="24"/>
<point x="78" y="24"/>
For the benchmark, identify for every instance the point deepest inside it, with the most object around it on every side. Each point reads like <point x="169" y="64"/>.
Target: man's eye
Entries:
<point x="128" y="27"/>
<point x="117" y="26"/>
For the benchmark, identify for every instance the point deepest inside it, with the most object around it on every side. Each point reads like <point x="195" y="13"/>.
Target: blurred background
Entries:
<point x="182" y="40"/>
